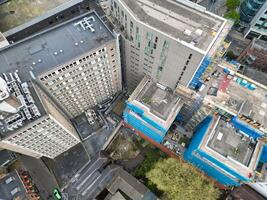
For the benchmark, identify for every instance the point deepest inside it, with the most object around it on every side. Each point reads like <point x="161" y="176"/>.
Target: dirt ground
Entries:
<point x="17" y="12"/>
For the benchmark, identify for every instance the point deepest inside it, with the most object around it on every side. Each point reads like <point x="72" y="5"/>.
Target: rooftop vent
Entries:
<point x="198" y="32"/>
<point x="187" y="32"/>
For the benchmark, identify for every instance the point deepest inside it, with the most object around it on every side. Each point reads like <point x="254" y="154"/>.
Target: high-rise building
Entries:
<point x="253" y="16"/>
<point x="166" y="40"/>
<point x="30" y="123"/>
<point x="226" y="152"/>
<point x="52" y="76"/>
<point x="152" y="108"/>
<point x="77" y="62"/>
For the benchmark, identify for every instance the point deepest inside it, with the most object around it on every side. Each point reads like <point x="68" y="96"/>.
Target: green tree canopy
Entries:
<point x="232" y="4"/>
<point x="179" y="180"/>
<point x="232" y="14"/>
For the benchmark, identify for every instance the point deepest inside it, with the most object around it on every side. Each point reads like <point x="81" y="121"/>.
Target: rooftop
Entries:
<point x="159" y="100"/>
<point x="101" y="180"/>
<point x="6" y="157"/>
<point x="11" y="187"/>
<point x="25" y="102"/>
<point x="185" y="21"/>
<point x="231" y="143"/>
<point x="40" y="53"/>
<point x="232" y="147"/>
<point x="52" y="47"/>
<point x="242" y="96"/>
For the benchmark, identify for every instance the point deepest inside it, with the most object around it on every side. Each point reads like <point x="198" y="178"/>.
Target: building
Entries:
<point x="260" y="185"/>
<point x="76" y="62"/>
<point x="226" y="152"/>
<point x="255" y="55"/>
<point x="6" y="158"/>
<point x="239" y="98"/>
<point x="99" y="179"/>
<point x="244" y="193"/>
<point x="253" y="16"/>
<point x="152" y="108"/>
<point x="30" y="122"/>
<point x="56" y="75"/>
<point x="166" y="40"/>
<point x="12" y="187"/>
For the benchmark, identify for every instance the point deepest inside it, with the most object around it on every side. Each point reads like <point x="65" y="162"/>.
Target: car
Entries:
<point x="57" y="194"/>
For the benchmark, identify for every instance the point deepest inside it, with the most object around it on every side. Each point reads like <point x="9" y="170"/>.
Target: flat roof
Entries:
<point x="55" y="46"/>
<point x="14" y="184"/>
<point x="51" y="48"/>
<point x="236" y="95"/>
<point x="231" y="147"/>
<point x="20" y="92"/>
<point x="228" y="141"/>
<point x="159" y="101"/>
<point x="182" y="20"/>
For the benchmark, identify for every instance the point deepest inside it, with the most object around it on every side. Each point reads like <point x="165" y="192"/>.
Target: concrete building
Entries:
<point x="255" y="55"/>
<point x="260" y="185"/>
<point x="99" y="179"/>
<point x="12" y="187"/>
<point x="152" y="108"/>
<point x="51" y="77"/>
<point x="253" y="16"/>
<point x="6" y="158"/>
<point x="166" y="40"/>
<point x="30" y="123"/>
<point x="227" y="153"/>
<point x="76" y="62"/>
<point x="240" y="98"/>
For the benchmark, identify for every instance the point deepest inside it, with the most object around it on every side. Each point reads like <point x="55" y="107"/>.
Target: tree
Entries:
<point x="232" y="4"/>
<point x="232" y="14"/>
<point x="179" y="180"/>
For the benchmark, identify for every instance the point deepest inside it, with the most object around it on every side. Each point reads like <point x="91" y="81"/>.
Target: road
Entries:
<point x="43" y="179"/>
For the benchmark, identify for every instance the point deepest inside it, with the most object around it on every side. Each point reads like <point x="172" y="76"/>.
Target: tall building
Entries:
<point x="166" y="40"/>
<point x="30" y="122"/>
<point x="253" y="16"/>
<point x="77" y="62"/>
<point x="52" y="76"/>
<point x="152" y="108"/>
<point x="227" y="153"/>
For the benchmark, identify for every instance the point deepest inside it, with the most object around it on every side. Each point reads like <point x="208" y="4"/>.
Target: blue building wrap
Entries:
<point x="212" y="167"/>
<point x="196" y="82"/>
<point x="144" y="124"/>
<point x="247" y="129"/>
<point x="141" y="113"/>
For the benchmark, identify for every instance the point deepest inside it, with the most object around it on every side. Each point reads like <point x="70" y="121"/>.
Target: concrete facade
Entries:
<point x="51" y="77"/>
<point x="49" y="135"/>
<point x="166" y="40"/>
<point x="85" y="81"/>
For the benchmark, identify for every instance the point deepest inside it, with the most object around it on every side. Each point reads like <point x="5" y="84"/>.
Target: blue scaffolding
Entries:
<point x="144" y="124"/>
<point x="212" y="167"/>
<point x="196" y="82"/>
